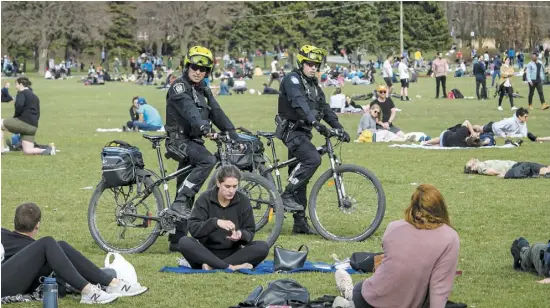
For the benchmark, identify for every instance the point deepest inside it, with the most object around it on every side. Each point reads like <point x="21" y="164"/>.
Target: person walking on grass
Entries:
<point x="481" y="79"/>
<point x="505" y="88"/>
<point x="387" y="73"/>
<point x="535" y="78"/>
<point x="440" y="68"/>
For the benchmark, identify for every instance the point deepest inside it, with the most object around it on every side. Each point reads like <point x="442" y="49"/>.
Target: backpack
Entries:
<point x="285" y="292"/>
<point x="120" y="162"/>
<point x="457" y="93"/>
<point x="252" y="155"/>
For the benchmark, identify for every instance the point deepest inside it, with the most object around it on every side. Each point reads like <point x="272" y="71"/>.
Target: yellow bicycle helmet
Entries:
<point x="200" y="56"/>
<point x="310" y="53"/>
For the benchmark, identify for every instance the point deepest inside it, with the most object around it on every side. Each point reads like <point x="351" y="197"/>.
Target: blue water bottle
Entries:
<point x="49" y="289"/>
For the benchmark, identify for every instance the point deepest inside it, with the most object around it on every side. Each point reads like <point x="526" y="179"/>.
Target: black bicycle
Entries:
<point x="346" y="203"/>
<point x="128" y="221"/>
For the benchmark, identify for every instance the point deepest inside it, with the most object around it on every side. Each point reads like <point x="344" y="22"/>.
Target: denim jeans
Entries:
<point x="143" y="126"/>
<point x="495" y="73"/>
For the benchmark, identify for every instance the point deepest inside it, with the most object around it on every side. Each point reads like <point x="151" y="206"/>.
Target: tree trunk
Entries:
<point x="106" y="63"/>
<point x="43" y="58"/>
<point x="226" y="47"/>
<point x="36" y="59"/>
<point x="159" y="47"/>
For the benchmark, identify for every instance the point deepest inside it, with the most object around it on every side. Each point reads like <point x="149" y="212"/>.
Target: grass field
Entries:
<point x="488" y="212"/>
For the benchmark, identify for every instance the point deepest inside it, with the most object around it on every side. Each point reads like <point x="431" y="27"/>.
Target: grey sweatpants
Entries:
<point x="530" y="258"/>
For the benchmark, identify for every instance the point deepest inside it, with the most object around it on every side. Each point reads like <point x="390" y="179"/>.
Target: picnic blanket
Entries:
<point x="427" y="147"/>
<point x="119" y="130"/>
<point x="263" y="268"/>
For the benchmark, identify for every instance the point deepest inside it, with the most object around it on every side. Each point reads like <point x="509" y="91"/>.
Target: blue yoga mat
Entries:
<point x="263" y="268"/>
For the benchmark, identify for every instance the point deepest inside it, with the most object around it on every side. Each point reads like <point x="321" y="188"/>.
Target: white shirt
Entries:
<point x="462" y="67"/>
<point x="240" y="83"/>
<point x="274" y="66"/>
<point x="403" y="70"/>
<point x="387" y="71"/>
<point x="338" y="101"/>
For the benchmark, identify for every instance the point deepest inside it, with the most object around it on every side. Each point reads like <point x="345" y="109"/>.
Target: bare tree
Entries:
<point x="41" y="23"/>
<point x="151" y="18"/>
<point x="183" y="17"/>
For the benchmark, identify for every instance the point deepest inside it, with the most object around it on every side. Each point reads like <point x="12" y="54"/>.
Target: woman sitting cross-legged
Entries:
<point x="420" y="259"/>
<point x="222" y="225"/>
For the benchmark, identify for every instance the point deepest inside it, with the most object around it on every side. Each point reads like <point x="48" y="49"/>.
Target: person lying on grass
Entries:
<point x="26" y="260"/>
<point x="460" y="135"/>
<point x="515" y="126"/>
<point x="531" y="258"/>
<point x="222" y="227"/>
<point x="507" y="169"/>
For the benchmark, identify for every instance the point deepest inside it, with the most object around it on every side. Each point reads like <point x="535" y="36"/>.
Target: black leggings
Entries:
<point x="506" y="91"/>
<point x="21" y="272"/>
<point x="358" y="300"/>
<point x="483" y="84"/>
<point x="197" y="255"/>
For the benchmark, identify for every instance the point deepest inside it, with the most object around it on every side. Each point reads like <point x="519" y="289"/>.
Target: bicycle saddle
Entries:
<point x="154" y="138"/>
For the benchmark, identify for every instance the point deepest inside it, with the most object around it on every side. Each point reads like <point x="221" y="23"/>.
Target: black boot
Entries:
<point x="290" y="204"/>
<point x="300" y="224"/>
<point x="182" y="206"/>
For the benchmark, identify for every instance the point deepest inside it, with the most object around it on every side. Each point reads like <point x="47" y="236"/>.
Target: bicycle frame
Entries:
<point x="164" y="179"/>
<point x="322" y="150"/>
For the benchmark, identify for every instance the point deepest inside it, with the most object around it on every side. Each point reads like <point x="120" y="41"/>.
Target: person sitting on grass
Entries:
<point x="515" y="126"/>
<point x="25" y="118"/>
<point x="426" y="225"/>
<point x="535" y="258"/>
<point x="351" y="106"/>
<point x="144" y="116"/>
<point x="460" y="135"/>
<point x="368" y="122"/>
<point x="26" y="260"/>
<point x="6" y="97"/>
<point x="507" y="169"/>
<point x="240" y="86"/>
<point x="389" y="111"/>
<point x="268" y="90"/>
<point x="224" y="88"/>
<point x="222" y="228"/>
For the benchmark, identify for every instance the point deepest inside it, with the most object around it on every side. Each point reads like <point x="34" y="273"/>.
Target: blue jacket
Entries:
<point x="531" y="74"/>
<point x="498" y="64"/>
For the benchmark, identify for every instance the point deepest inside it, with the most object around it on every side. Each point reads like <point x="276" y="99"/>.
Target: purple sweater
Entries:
<point x="414" y="260"/>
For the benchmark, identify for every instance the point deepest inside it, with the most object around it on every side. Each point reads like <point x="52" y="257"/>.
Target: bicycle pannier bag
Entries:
<point x="250" y="157"/>
<point x="120" y="162"/>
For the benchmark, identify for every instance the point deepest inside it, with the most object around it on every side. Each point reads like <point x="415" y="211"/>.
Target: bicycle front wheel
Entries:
<point x="110" y="225"/>
<point x="266" y="204"/>
<point x="357" y="214"/>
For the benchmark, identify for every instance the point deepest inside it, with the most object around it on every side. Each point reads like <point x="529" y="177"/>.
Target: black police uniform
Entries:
<point x="302" y="103"/>
<point x="189" y="109"/>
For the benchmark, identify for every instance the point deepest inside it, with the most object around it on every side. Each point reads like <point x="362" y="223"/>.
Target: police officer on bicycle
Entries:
<point x="302" y="104"/>
<point x="190" y="106"/>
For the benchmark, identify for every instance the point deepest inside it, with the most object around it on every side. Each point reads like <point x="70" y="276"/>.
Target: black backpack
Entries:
<point x="457" y="93"/>
<point x="120" y="162"/>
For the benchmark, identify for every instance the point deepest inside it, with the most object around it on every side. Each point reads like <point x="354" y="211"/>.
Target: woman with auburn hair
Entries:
<point x="420" y="259"/>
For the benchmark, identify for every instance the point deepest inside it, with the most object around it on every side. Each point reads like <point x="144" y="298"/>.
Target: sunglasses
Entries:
<point x="382" y="92"/>
<point x="195" y="67"/>
<point x="376" y="111"/>
<point x="311" y="64"/>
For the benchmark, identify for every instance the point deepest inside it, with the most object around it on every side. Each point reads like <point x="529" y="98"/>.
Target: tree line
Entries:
<point x="123" y="29"/>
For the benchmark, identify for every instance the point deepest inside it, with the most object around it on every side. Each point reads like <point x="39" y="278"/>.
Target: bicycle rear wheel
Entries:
<point x="359" y="214"/>
<point x="266" y="204"/>
<point x="115" y="231"/>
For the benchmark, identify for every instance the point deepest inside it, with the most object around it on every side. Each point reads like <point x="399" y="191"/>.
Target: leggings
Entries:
<point x="197" y="255"/>
<point x="483" y="84"/>
<point x="358" y="300"/>
<point x="443" y="81"/>
<point x="506" y="91"/>
<point x="21" y="272"/>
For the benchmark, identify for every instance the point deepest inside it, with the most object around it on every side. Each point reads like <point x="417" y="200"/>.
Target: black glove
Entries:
<point x="345" y="136"/>
<point x="322" y="129"/>
<point x="205" y="129"/>
<point x="531" y="137"/>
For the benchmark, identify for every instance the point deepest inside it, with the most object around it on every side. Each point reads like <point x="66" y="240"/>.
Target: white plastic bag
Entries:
<point x="124" y="270"/>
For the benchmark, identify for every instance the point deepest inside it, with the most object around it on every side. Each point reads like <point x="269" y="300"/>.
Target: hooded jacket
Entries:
<point x="203" y="222"/>
<point x="510" y="127"/>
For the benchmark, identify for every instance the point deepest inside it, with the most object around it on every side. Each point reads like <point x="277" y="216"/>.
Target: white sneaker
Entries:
<point x="514" y="108"/>
<point x="124" y="288"/>
<point x="344" y="284"/>
<point x="340" y="302"/>
<point x="98" y="296"/>
<point x="183" y="262"/>
<point x="500" y="108"/>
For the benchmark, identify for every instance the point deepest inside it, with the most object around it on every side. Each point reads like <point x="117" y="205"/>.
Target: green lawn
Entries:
<point x="487" y="212"/>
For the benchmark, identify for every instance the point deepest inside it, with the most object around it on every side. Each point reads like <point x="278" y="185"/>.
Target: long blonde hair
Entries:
<point x="428" y="209"/>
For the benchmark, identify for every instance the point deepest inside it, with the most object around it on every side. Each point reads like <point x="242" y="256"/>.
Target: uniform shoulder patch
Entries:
<point x="294" y="80"/>
<point x="179" y="88"/>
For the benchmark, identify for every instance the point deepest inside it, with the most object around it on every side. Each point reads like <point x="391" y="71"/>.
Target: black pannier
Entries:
<point x="120" y="162"/>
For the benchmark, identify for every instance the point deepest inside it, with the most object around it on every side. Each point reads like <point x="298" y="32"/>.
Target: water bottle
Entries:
<point x="49" y="289"/>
